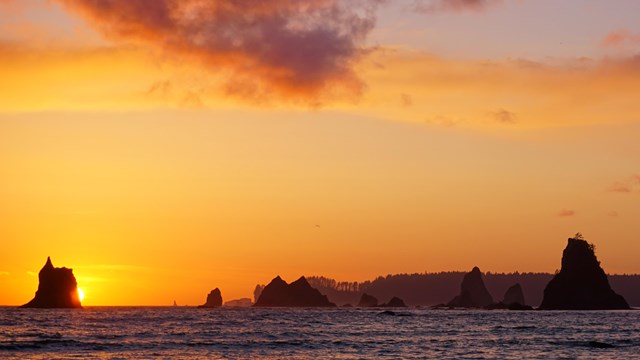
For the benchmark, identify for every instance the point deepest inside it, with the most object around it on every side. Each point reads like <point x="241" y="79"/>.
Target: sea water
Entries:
<point x="253" y="333"/>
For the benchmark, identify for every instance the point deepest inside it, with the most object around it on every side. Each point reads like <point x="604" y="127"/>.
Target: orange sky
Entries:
<point x="159" y="168"/>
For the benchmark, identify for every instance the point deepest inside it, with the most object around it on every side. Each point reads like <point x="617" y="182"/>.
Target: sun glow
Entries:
<point x="80" y="294"/>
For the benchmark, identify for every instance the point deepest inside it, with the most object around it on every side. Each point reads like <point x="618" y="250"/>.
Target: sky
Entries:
<point x="163" y="148"/>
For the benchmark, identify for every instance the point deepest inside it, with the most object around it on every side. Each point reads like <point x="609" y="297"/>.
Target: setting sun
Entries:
<point x="80" y="294"/>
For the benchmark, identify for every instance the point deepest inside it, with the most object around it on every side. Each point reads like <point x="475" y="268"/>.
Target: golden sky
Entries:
<point x="165" y="148"/>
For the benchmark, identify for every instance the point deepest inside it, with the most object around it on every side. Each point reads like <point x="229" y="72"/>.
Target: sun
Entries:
<point x="80" y="294"/>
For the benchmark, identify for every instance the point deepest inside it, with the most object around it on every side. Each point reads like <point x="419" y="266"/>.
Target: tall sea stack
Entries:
<point x="473" y="293"/>
<point x="214" y="299"/>
<point x="581" y="283"/>
<point x="57" y="288"/>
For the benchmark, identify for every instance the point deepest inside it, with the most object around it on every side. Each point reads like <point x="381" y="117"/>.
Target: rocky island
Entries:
<point x="367" y="300"/>
<point x="57" y="288"/>
<point x="513" y="300"/>
<point x="395" y="302"/>
<point x="473" y="293"/>
<point x="581" y="283"/>
<point x="297" y="294"/>
<point x="214" y="299"/>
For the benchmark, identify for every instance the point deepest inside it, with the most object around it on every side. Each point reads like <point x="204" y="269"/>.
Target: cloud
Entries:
<point x="566" y="213"/>
<point x="431" y="6"/>
<point x="613" y="213"/>
<point x="621" y="38"/>
<point x="620" y="188"/>
<point x="627" y="185"/>
<point x="4" y="273"/>
<point x="492" y="93"/>
<point x="406" y="100"/>
<point x="504" y="116"/>
<point x="299" y="50"/>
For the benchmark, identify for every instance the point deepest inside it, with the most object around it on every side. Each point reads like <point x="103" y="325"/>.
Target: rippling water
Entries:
<point x="148" y="332"/>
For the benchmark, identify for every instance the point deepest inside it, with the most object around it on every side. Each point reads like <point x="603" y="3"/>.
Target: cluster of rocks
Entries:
<point x="474" y="295"/>
<point x="367" y="300"/>
<point x="581" y="284"/>
<point x="297" y="294"/>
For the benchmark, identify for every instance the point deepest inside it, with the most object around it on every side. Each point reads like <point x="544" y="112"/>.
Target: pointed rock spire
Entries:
<point x="57" y="288"/>
<point x="473" y="293"/>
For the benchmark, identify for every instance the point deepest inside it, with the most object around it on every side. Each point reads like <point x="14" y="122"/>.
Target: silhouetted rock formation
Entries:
<point x="395" y="302"/>
<point x="57" y="288"/>
<point x="367" y="300"/>
<point x="473" y="293"/>
<point x="244" y="302"/>
<point x="257" y="291"/>
<point x="297" y="294"/>
<point x="214" y="299"/>
<point x="513" y="295"/>
<point x="513" y="300"/>
<point x="581" y="283"/>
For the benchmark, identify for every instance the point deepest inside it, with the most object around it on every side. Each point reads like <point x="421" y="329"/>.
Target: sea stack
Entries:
<point x="514" y="295"/>
<point x="581" y="283"/>
<point x="395" y="302"/>
<point x="367" y="300"/>
<point x="57" y="288"/>
<point x="214" y="299"/>
<point x="473" y="293"/>
<point x="297" y="294"/>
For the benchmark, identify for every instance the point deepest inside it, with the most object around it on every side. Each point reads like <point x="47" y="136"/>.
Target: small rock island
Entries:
<point x="367" y="300"/>
<point x="297" y="294"/>
<point x="214" y="299"/>
<point x="581" y="283"/>
<point x="513" y="300"/>
<point x="473" y="293"/>
<point x="395" y="302"/>
<point x="57" y="288"/>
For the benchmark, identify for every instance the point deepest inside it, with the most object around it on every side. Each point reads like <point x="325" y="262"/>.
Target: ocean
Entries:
<point x="342" y="333"/>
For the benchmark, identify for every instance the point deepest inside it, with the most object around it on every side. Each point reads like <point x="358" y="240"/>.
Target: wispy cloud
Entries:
<point x="566" y="213"/>
<point x="4" y="273"/>
<point x="406" y="100"/>
<point x="505" y="92"/>
<point x="620" y="187"/>
<point x="431" y="6"/>
<point x="626" y="186"/>
<point x="621" y="38"/>
<point x="504" y="116"/>
<point x="301" y="50"/>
